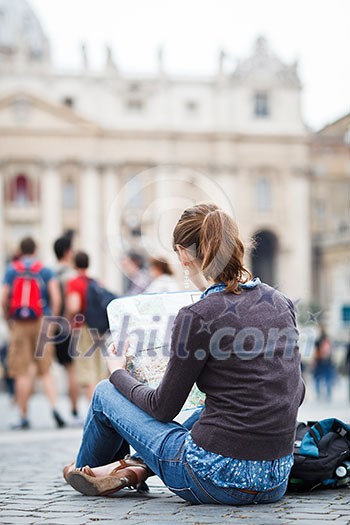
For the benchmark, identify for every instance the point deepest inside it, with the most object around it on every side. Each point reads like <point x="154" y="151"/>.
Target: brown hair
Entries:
<point x="211" y="236"/>
<point x="81" y="261"/>
<point x="27" y="246"/>
<point x="161" y="264"/>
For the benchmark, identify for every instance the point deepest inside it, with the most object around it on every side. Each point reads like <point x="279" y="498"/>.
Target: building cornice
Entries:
<point x="137" y="134"/>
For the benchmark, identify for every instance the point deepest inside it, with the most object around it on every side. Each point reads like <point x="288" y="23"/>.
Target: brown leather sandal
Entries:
<point x="69" y="468"/>
<point x="84" y="480"/>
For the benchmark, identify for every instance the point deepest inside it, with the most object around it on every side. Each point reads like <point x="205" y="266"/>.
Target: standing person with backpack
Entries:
<point x="29" y="292"/>
<point x="90" y="368"/>
<point x="65" y="272"/>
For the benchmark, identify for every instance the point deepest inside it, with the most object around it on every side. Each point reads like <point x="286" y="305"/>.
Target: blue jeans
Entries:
<point x="113" y="421"/>
<point x="324" y="372"/>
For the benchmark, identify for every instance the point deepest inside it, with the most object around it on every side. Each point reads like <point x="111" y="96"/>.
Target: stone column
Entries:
<point x="230" y="183"/>
<point x="300" y="241"/>
<point x="91" y="236"/>
<point x="227" y="182"/>
<point x="111" y="186"/>
<point x="164" y="195"/>
<point x="171" y="197"/>
<point x="51" y="206"/>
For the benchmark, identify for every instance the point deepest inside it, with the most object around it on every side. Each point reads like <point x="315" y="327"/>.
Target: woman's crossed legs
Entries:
<point x="113" y="422"/>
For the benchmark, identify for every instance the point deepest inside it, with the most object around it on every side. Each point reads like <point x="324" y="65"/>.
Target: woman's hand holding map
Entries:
<point x="114" y="361"/>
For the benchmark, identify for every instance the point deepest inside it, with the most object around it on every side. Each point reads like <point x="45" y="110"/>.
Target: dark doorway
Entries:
<point x="264" y="257"/>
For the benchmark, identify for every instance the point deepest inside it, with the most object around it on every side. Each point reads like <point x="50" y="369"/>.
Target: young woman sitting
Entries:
<point x="239" y="344"/>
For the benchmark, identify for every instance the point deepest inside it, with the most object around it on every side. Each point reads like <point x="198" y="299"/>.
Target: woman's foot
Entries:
<point x="123" y="475"/>
<point x="105" y="470"/>
<point x="67" y="469"/>
<point x="97" y="472"/>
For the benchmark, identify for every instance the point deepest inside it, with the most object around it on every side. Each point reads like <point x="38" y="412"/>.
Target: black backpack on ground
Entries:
<point x="97" y="300"/>
<point x="321" y="455"/>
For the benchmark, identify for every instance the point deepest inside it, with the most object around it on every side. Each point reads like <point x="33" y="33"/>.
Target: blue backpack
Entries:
<point x="321" y="455"/>
<point x="97" y="300"/>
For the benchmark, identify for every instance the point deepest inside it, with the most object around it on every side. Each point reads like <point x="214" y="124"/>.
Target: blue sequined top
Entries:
<point x="228" y="472"/>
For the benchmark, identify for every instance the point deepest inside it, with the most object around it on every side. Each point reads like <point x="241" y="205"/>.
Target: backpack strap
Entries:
<point x="310" y="442"/>
<point x="18" y="266"/>
<point x="311" y="423"/>
<point x="319" y="434"/>
<point x="60" y="272"/>
<point x="89" y="281"/>
<point x="315" y="436"/>
<point x="341" y="428"/>
<point x="36" y="267"/>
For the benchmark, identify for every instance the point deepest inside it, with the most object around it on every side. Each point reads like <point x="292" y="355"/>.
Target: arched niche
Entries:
<point x="21" y="190"/>
<point x="264" y="256"/>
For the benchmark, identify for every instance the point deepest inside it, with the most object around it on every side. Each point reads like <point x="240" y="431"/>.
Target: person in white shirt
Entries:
<point x="162" y="277"/>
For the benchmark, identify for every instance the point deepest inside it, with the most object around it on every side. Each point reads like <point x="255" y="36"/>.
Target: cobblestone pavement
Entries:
<point x="33" y="491"/>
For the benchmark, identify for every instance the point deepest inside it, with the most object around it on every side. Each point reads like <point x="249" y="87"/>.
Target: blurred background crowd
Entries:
<point x="65" y="293"/>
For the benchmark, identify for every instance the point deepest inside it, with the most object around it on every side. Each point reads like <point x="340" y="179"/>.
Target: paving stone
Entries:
<point x="36" y="494"/>
<point x="72" y="520"/>
<point x="326" y="516"/>
<point x="16" y="520"/>
<point x="104" y="522"/>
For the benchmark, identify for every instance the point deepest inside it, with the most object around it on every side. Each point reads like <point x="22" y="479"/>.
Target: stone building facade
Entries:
<point x="117" y="157"/>
<point x="330" y="223"/>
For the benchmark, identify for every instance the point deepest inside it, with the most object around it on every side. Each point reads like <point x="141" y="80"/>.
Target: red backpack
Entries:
<point x="26" y="300"/>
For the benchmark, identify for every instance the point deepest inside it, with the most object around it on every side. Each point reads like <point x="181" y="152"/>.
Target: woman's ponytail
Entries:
<point x="222" y="251"/>
<point x="213" y="239"/>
